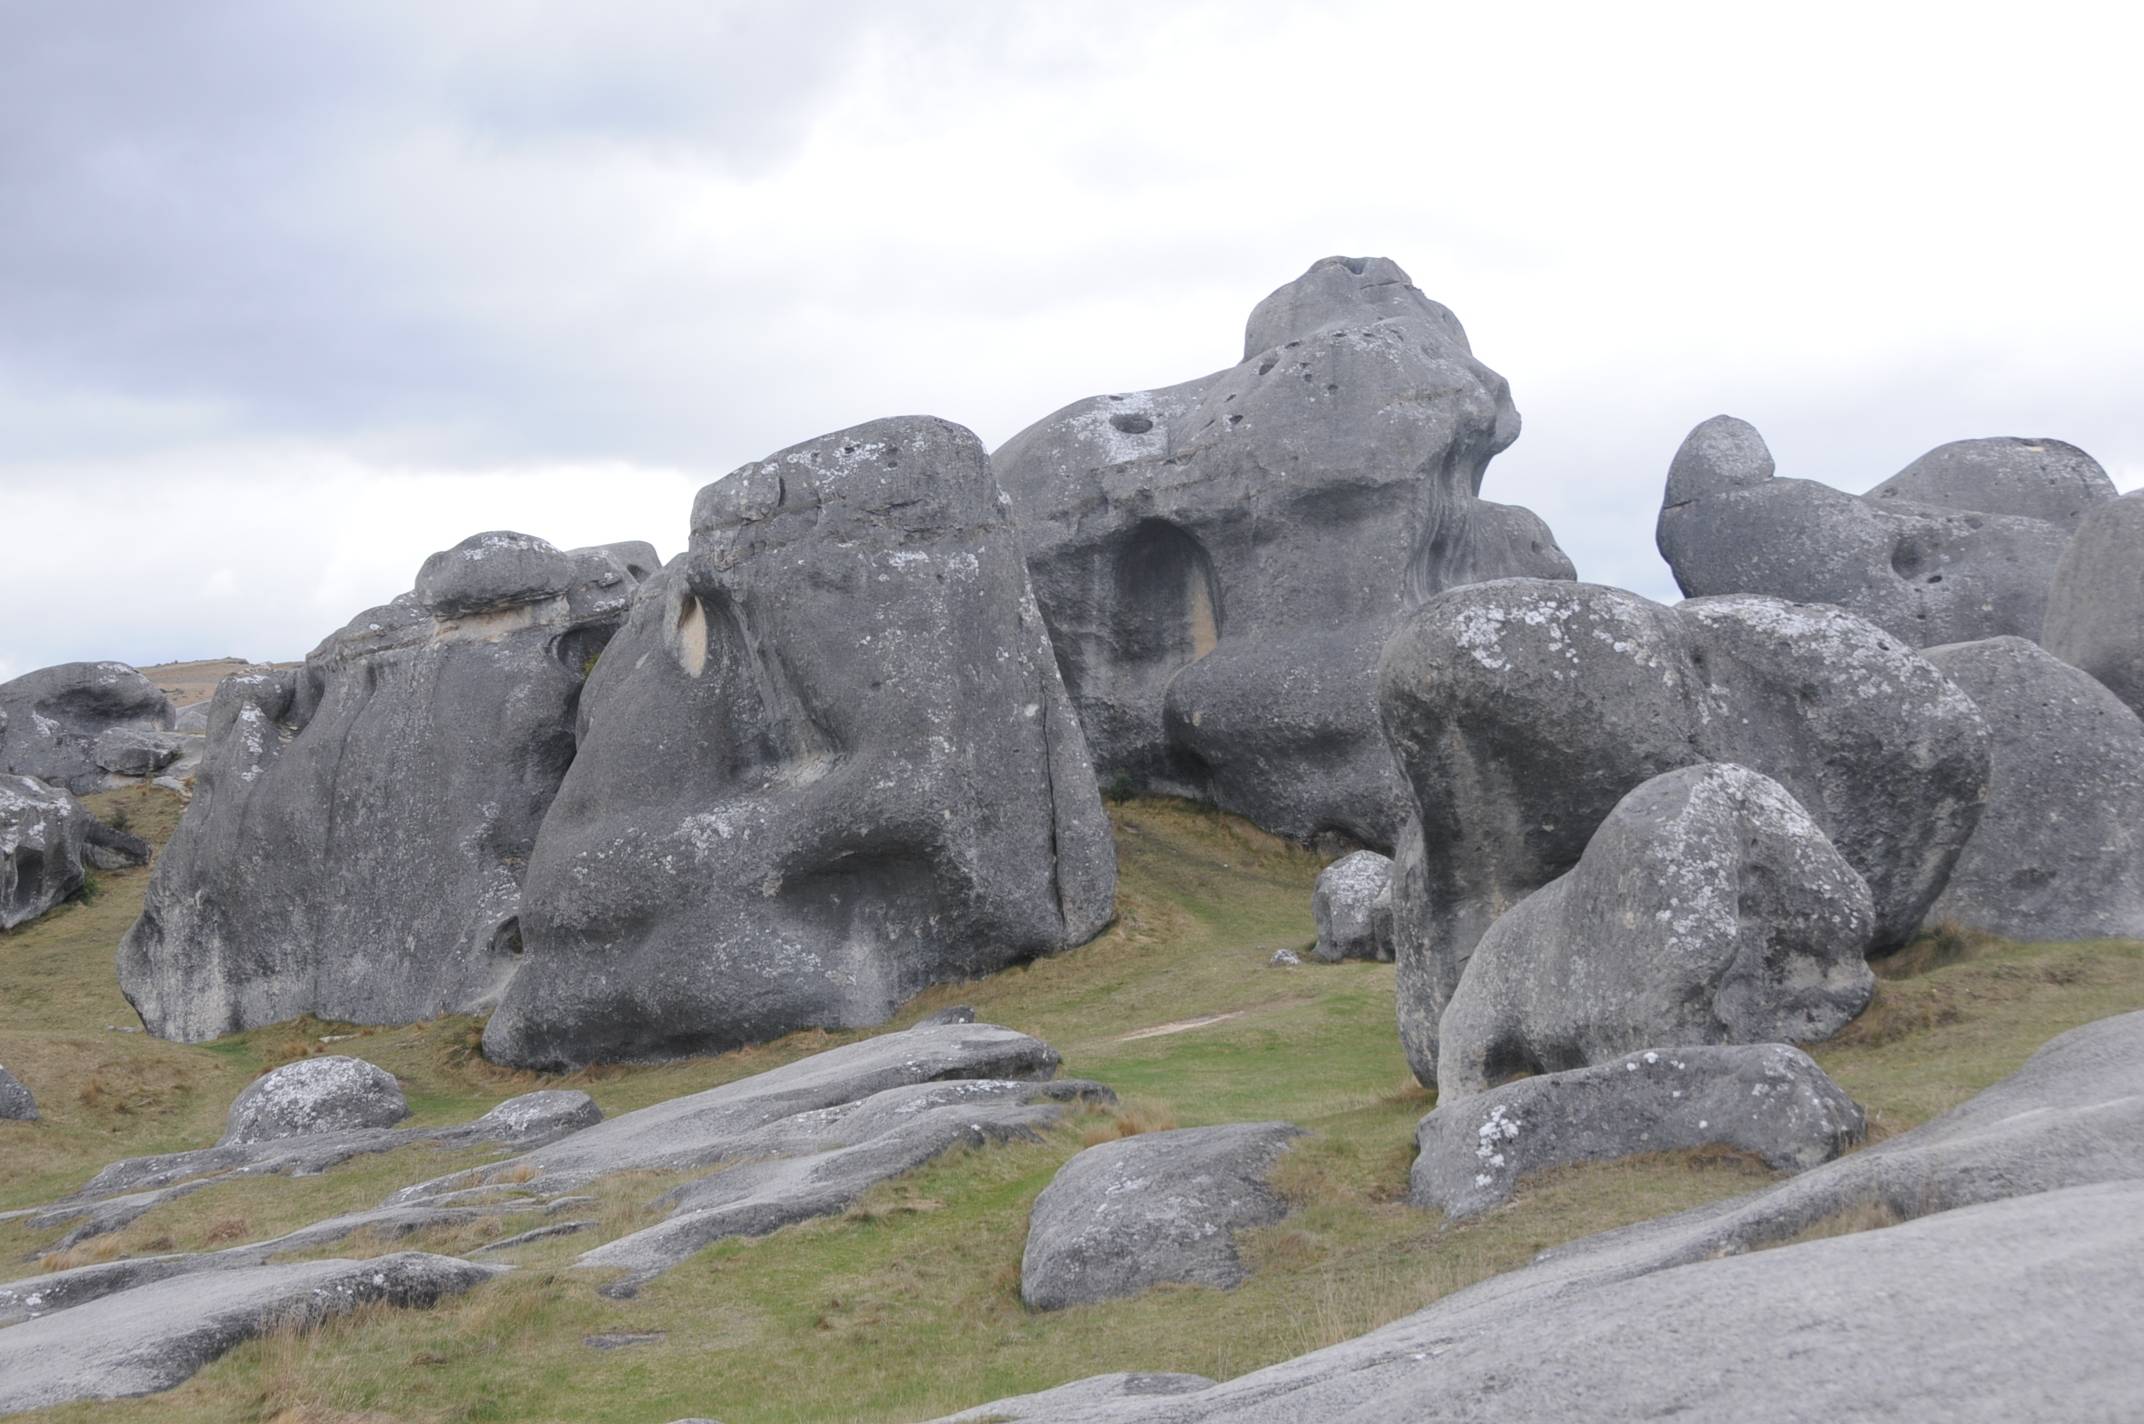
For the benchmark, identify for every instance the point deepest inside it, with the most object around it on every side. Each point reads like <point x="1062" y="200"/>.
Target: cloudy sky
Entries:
<point x="293" y="293"/>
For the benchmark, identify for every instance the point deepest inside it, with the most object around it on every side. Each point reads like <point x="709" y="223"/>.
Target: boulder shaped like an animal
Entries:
<point x="51" y="719"/>
<point x="1959" y="545"/>
<point x="313" y="1095"/>
<point x="2059" y="853"/>
<point x="1220" y="561"/>
<point x="2095" y="607"/>
<point x="1352" y="906"/>
<point x="42" y="831"/>
<point x="1707" y="909"/>
<point x="359" y="826"/>
<point x="1524" y="710"/>
<point x="828" y="762"/>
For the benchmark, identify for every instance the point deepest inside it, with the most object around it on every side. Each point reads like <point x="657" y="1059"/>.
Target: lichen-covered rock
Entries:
<point x="359" y="828"/>
<point x="41" y="844"/>
<point x="1352" y="905"/>
<point x="51" y="719"/>
<point x="547" y="1113"/>
<point x="315" y="1095"/>
<point x="1707" y="909"/>
<point x="2059" y="853"/>
<point x="16" y="1104"/>
<point x="1524" y="710"/>
<point x="1959" y="545"/>
<point x="1159" y="1208"/>
<point x="1219" y="561"/>
<point x="828" y="762"/>
<point x="2095" y="606"/>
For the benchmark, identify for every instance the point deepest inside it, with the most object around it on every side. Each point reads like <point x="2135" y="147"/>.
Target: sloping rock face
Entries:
<point x="1959" y="545"/>
<point x="41" y="845"/>
<point x="51" y="719"/>
<point x="1707" y="909"/>
<point x="2060" y="849"/>
<point x="356" y="839"/>
<point x="2095" y="607"/>
<point x="1220" y="561"/>
<point x="1524" y="710"/>
<point x="333" y="1094"/>
<point x="828" y="762"/>
<point x="1352" y="905"/>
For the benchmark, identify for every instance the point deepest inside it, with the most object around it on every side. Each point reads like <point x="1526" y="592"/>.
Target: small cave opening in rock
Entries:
<point x="1168" y="597"/>
<point x="506" y="938"/>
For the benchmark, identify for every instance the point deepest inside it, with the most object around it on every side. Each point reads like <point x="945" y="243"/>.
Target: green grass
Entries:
<point x="908" y="1305"/>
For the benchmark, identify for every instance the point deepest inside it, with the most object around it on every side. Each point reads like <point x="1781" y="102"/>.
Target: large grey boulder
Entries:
<point x="359" y="827"/>
<point x="51" y="719"/>
<point x="16" y="1104"/>
<point x="1707" y="909"/>
<point x="2095" y="606"/>
<point x="1219" y="561"/>
<point x="332" y="1094"/>
<point x="2060" y="849"/>
<point x="1959" y="545"/>
<point x="1162" y="1207"/>
<point x="828" y="762"/>
<point x="136" y="751"/>
<point x="1352" y="906"/>
<point x="42" y="831"/>
<point x="1762" y="1098"/>
<point x="1524" y="710"/>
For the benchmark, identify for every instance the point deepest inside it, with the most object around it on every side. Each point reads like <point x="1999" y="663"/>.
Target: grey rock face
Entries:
<point x="359" y="827"/>
<point x="2095" y="606"/>
<point x="1524" y="710"/>
<point x="1125" y="1216"/>
<point x="1352" y="905"/>
<point x="50" y="719"/>
<point x="828" y="763"/>
<point x="105" y="848"/>
<point x="314" y="1095"/>
<point x="16" y="1104"/>
<point x="41" y="845"/>
<point x="1959" y="545"/>
<point x="1763" y="1098"/>
<point x="135" y="751"/>
<point x="2060" y="849"/>
<point x="1219" y="561"/>
<point x="1707" y="909"/>
<point x="1097" y="1391"/>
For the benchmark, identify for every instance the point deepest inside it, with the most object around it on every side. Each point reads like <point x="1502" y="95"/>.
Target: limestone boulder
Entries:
<point x="51" y="719"/>
<point x="314" y="1095"/>
<point x="1220" y="561"/>
<point x="42" y="831"/>
<point x="1352" y="905"/>
<point x="2095" y="607"/>
<point x="136" y="751"/>
<point x="16" y="1103"/>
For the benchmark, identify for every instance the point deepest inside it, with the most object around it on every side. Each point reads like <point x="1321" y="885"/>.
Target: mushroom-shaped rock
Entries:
<point x="315" y="1095"/>
<point x="1524" y="710"/>
<point x="51" y="719"/>
<point x="1958" y="545"/>
<point x="1158" y="1208"/>
<point x="829" y="763"/>
<point x="2095" y="607"/>
<point x="1763" y="1098"/>
<point x="1708" y="908"/>
<point x="1219" y="561"/>
<point x="2059" y="853"/>
<point x="42" y="830"/>
<point x="16" y="1104"/>
<point x="1352" y="905"/>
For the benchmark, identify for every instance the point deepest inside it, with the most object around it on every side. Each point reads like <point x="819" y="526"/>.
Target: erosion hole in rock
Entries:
<point x="1132" y="424"/>
<point x="506" y="939"/>
<point x="1168" y="594"/>
<point x="688" y="634"/>
<point x="1907" y="558"/>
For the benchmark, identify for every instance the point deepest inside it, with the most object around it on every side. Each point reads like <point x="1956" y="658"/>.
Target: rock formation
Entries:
<point x="332" y="1094"/>
<point x="1352" y="905"/>
<point x="41" y="845"/>
<point x="2095" y="607"/>
<point x="359" y="827"/>
<point x="828" y="762"/>
<point x="1523" y="710"/>
<point x="2059" y="853"/>
<point x="1957" y="546"/>
<point x="51" y="719"/>
<point x="16" y="1103"/>
<point x="1220" y="561"/>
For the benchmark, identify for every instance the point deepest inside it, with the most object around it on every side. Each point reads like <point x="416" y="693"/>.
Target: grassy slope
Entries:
<point x="909" y="1305"/>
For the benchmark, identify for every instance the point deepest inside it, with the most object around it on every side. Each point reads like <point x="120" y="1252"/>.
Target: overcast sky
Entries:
<point x="293" y="294"/>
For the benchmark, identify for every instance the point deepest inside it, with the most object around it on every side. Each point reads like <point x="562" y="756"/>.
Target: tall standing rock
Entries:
<point x="1220" y="561"/>
<point x="51" y="719"/>
<point x="829" y="761"/>
<point x="41" y="848"/>
<point x="359" y="826"/>
<point x="2095" y="607"/>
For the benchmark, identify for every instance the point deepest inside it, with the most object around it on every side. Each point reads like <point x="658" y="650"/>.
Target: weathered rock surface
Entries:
<point x="1220" y="561"/>
<point x="1763" y="1098"/>
<point x="41" y="836"/>
<point x="1098" y="1390"/>
<point x="1162" y="1207"/>
<point x="2095" y="606"/>
<point x="51" y="719"/>
<point x="1352" y="905"/>
<point x="1707" y="909"/>
<point x="135" y="751"/>
<point x="2060" y="849"/>
<point x="108" y="848"/>
<point x="16" y="1103"/>
<point x="313" y="1095"/>
<point x="356" y="840"/>
<point x="155" y="1337"/>
<point x="1524" y="710"/>
<point x="1958" y="546"/>
<point x="829" y="762"/>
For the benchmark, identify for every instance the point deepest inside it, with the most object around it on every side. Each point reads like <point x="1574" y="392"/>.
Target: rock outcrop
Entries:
<point x="2059" y="853"/>
<point x="313" y="1095"/>
<point x="52" y="719"/>
<point x="1957" y="546"/>
<point x="1220" y="561"/>
<point x="1161" y="1207"/>
<point x="136" y="751"/>
<point x="16" y="1103"/>
<point x="2095" y="606"/>
<point x="1352" y="905"/>
<point x="1707" y="909"/>
<point x="359" y="827"/>
<point x="828" y="762"/>
<point x="1524" y="710"/>
<point x="42" y="831"/>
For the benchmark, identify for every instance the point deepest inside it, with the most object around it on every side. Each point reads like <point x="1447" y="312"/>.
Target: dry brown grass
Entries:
<point x="1128" y="1119"/>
